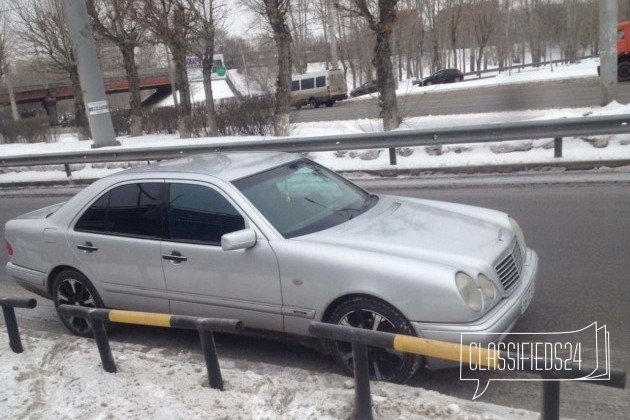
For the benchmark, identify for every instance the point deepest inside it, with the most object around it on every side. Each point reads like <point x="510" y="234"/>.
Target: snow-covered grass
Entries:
<point x="60" y="377"/>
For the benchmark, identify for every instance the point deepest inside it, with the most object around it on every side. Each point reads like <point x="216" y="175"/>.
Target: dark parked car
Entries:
<point x="364" y="89"/>
<point x="443" y="76"/>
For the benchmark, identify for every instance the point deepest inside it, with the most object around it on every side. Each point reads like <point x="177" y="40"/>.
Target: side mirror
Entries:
<point x="241" y="239"/>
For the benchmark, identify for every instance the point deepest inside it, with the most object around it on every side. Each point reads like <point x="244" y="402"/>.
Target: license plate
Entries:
<point x="527" y="298"/>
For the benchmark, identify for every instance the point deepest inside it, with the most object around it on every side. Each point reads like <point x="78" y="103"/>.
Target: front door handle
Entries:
<point x="175" y="257"/>
<point x="87" y="247"/>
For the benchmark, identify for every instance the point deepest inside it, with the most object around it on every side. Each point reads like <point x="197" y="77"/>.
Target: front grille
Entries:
<point x="510" y="267"/>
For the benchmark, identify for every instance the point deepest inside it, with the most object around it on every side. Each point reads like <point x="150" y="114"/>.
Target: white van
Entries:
<point x="316" y="88"/>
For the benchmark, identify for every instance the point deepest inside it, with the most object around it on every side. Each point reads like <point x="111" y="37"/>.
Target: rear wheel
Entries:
<point x="428" y="83"/>
<point x="72" y="288"/>
<point x="623" y="71"/>
<point x="373" y="314"/>
<point x="457" y="79"/>
<point x="313" y="103"/>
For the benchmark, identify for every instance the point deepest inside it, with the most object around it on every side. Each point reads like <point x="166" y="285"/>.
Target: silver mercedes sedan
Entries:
<point x="278" y="241"/>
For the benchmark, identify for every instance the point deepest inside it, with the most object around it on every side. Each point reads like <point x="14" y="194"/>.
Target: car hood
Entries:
<point x="438" y="232"/>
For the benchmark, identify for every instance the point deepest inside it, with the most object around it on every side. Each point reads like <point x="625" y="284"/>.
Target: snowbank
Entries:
<point x="60" y="376"/>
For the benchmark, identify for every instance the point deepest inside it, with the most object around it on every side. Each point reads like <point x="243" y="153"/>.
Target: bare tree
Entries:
<point x="380" y="18"/>
<point x="300" y="15"/>
<point x="207" y="14"/>
<point x="119" y="22"/>
<point x="275" y="14"/>
<point x="430" y="13"/>
<point x="486" y="13"/>
<point x="41" y="24"/>
<point x="4" y="59"/>
<point x="171" y="22"/>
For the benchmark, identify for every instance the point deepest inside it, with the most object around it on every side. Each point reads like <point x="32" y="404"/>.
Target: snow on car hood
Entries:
<point x="423" y="229"/>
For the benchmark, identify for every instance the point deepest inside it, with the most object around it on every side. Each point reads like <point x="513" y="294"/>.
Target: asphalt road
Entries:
<point x="582" y="236"/>
<point x="513" y="97"/>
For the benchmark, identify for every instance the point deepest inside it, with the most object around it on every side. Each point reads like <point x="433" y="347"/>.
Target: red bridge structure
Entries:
<point x="48" y="94"/>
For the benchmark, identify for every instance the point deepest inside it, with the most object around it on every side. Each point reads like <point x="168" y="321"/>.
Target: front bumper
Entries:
<point x="493" y="326"/>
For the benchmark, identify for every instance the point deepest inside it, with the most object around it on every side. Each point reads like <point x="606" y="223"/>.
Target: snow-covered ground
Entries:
<point x="60" y="376"/>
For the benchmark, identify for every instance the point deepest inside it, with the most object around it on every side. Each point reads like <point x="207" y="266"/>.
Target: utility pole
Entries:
<point x="608" y="50"/>
<point x="90" y="75"/>
<point x="14" y="108"/>
<point x="334" y="61"/>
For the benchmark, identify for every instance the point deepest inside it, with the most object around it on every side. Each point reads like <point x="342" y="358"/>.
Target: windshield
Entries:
<point x="303" y="197"/>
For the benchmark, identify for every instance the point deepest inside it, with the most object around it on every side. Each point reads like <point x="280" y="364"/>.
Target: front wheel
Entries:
<point x="373" y="314"/>
<point x="72" y="288"/>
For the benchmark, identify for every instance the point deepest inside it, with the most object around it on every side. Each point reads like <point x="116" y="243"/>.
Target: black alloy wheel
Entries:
<point x="384" y="364"/>
<point x="73" y="288"/>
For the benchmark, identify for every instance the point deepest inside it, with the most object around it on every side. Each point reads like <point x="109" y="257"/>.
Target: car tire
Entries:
<point x="313" y="103"/>
<point x="623" y="71"/>
<point x="457" y="80"/>
<point x="385" y="364"/>
<point x="330" y="103"/>
<point x="72" y="288"/>
<point x="428" y="83"/>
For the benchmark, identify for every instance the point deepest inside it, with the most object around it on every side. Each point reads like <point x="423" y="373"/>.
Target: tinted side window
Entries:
<point x="320" y="81"/>
<point x="200" y="214"/>
<point x="295" y="85"/>
<point x="308" y="83"/>
<point x="134" y="210"/>
<point x="95" y="218"/>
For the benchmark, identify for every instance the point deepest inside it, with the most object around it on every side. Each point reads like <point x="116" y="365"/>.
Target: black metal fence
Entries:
<point x="97" y="318"/>
<point x="361" y="339"/>
<point x="8" y="309"/>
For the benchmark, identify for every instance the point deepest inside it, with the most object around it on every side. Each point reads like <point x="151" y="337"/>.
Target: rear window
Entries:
<point x="128" y="210"/>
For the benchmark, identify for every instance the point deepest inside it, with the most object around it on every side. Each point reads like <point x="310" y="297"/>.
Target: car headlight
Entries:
<point x="486" y="286"/>
<point x="468" y="291"/>
<point x="520" y="236"/>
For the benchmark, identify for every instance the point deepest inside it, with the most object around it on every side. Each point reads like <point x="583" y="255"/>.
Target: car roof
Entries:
<point x="227" y="166"/>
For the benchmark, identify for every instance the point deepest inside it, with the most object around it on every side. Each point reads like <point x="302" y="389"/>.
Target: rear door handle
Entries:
<point x="87" y="247"/>
<point x="175" y="257"/>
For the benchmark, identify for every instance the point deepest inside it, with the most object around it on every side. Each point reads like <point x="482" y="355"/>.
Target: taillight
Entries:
<point x="328" y="90"/>
<point x="9" y="248"/>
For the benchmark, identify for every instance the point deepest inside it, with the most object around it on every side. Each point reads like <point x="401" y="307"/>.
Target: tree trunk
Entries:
<point x="181" y="80"/>
<point x="129" y="61"/>
<point x="283" y="84"/>
<point x="83" y="126"/>
<point x="385" y="76"/>
<point x="206" y="69"/>
<point x="282" y="36"/>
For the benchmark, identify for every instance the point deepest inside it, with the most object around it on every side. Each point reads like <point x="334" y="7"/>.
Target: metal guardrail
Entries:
<point x="361" y="339"/>
<point x="97" y="317"/>
<point x="8" y="304"/>
<point x="486" y="133"/>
